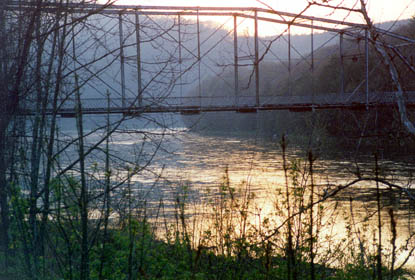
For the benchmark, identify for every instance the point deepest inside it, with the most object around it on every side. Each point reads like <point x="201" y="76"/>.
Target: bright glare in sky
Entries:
<point x="379" y="10"/>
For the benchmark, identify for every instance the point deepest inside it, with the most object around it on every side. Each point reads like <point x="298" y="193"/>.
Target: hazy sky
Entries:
<point x="379" y="10"/>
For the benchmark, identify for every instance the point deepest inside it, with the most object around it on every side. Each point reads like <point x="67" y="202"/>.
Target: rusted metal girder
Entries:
<point x="105" y="8"/>
<point x="345" y="27"/>
<point x="176" y="10"/>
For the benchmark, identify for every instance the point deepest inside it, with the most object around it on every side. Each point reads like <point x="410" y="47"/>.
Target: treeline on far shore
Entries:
<point x="380" y="124"/>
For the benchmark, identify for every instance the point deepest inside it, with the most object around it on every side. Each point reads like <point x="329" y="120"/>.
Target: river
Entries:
<point x="194" y="166"/>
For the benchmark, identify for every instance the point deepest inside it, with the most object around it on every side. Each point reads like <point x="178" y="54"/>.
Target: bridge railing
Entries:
<point x="175" y="103"/>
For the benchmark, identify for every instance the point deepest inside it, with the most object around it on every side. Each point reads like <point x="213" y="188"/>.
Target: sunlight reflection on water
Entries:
<point x="254" y="165"/>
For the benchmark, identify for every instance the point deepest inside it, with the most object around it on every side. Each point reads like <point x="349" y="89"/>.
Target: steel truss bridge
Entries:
<point x="130" y="39"/>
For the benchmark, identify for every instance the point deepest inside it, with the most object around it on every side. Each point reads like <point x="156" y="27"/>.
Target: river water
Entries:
<point x="193" y="166"/>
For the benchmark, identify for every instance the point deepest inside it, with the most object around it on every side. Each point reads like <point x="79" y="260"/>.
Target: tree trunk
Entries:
<point x="4" y="121"/>
<point x="400" y="100"/>
<point x="4" y="195"/>
<point x="83" y="200"/>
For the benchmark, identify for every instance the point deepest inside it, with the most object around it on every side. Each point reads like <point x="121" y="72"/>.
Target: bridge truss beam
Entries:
<point x="290" y="20"/>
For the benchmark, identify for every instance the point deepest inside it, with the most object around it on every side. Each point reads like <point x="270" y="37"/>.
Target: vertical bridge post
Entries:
<point x="180" y="58"/>
<point x="138" y="45"/>
<point x="289" y="61"/>
<point x="312" y="65"/>
<point x="122" y="61"/>
<point x="235" y="53"/>
<point x="180" y="38"/>
<point x="199" y="59"/>
<point x="367" y="66"/>
<point x="341" y="64"/>
<point x="256" y="64"/>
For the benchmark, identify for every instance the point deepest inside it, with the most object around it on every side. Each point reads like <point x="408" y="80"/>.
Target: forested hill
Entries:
<point x="326" y="77"/>
<point x="344" y="126"/>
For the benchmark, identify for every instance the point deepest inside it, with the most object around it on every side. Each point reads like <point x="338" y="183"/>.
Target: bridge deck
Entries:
<point x="242" y="104"/>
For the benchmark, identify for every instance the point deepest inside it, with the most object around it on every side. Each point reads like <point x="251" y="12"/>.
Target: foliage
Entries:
<point x="235" y="246"/>
<point x="64" y="220"/>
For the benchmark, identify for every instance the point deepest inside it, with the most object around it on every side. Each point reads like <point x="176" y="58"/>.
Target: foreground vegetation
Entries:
<point x="306" y="235"/>
<point x="72" y="208"/>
